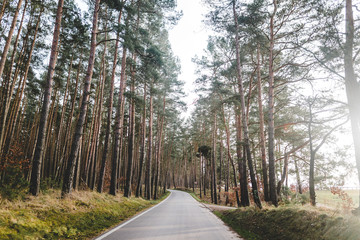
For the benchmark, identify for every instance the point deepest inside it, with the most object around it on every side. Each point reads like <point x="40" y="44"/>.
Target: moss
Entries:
<point x="85" y="215"/>
<point x="290" y="223"/>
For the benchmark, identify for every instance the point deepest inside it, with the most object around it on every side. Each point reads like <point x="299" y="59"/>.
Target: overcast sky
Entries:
<point x="189" y="38"/>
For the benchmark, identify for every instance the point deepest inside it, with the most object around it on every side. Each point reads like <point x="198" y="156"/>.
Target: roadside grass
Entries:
<point x="327" y="198"/>
<point x="291" y="223"/>
<point x="83" y="215"/>
<point x="295" y="221"/>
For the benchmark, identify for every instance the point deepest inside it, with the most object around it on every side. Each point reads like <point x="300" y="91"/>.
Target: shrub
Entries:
<point x="15" y="166"/>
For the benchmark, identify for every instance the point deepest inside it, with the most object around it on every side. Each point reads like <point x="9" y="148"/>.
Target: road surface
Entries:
<point x="180" y="216"/>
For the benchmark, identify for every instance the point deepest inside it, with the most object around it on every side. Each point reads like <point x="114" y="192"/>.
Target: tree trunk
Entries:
<point x="8" y="88"/>
<point x="131" y="138"/>
<point x="149" y="155"/>
<point x="2" y="10"/>
<point x="214" y="161"/>
<point x="271" y="128"/>
<point x="12" y="123"/>
<point x="241" y="162"/>
<point x="142" y="148"/>
<point x="118" y="128"/>
<point x="262" y="132"/>
<point x="298" y="177"/>
<point x="158" y="154"/>
<point x="35" y="175"/>
<point x="8" y="40"/>
<point x="109" y="113"/>
<point x="351" y="84"/>
<point x="69" y="174"/>
<point x="243" y="115"/>
<point x="230" y="159"/>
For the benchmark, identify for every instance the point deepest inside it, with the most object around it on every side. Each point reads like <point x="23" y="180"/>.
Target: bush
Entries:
<point x="15" y="166"/>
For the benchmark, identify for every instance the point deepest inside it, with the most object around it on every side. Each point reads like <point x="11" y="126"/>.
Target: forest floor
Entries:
<point x="83" y="215"/>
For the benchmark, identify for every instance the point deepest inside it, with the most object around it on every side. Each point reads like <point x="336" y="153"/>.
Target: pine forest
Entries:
<point x="94" y="107"/>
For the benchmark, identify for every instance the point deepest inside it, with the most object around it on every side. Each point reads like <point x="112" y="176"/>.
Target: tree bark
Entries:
<point x="159" y="147"/>
<point x="69" y="173"/>
<point x="245" y="201"/>
<point x="271" y="127"/>
<point x="109" y="113"/>
<point x="118" y="127"/>
<point x="131" y="138"/>
<point x="262" y="132"/>
<point x="243" y="115"/>
<point x="230" y="159"/>
<point x="8" y="40"/>
<point x="4" y="56"/>
<point x="149" y="155"/>
<point x="35" y="175"/>
<point x="214" y="160"/>
<point x="142" y="148"/>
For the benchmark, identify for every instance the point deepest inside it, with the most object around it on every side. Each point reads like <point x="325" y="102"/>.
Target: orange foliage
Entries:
<point x="15" y="160"/>
<point x="347" y="202"/>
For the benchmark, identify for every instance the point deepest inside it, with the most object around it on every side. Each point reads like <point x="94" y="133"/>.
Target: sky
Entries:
<point x="188" y="39"/>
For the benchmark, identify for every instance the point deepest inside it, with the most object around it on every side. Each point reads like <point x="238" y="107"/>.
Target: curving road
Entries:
<point x="178" y="217"/>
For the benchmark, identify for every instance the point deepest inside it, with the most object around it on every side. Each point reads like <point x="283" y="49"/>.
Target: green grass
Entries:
<point x="290" y="223"/>
<point x="84" y="215"/>
<point x="327" y="198"/>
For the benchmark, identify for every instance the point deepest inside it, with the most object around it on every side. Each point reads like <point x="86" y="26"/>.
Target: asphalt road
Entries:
<point x="178" y="217"/>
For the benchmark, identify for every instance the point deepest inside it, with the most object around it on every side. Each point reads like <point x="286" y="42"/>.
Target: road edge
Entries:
<point x="124" y="223"/>
<point x="212" y="212"/>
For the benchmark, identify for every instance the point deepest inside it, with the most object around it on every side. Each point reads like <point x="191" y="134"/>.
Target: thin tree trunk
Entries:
<point x="149" y="157"/>
<point x="8" y="136"/>
<point x="298" y="177"/>
<point x="131" y="138"/>
<point x="109" y="114"/>
<point x="271" y="128"/>
<point x="214" y="161"/>
<point x="241" y="163"/>
<point x="69" y="174"/>
<point x="4" y="57"/>
<point x="35" y="175"/>
<point x="243" y="116"/>
<point x="286" y="163"/>
<point x="312" y="164"/>
<point x="2" y="10"/>
<point x="8" y="88"/>
<point x="8" y="40"/>
<point x="262" y="132"/>
<point x="221" y="163"/>
<point x="142" y="148"/>
<point x="230" y="158"/>
<point x="159" y="147"/>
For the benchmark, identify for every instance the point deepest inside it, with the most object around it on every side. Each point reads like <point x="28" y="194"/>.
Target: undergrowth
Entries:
<point x="85" y="214"/>
<point x="291" y="223"/>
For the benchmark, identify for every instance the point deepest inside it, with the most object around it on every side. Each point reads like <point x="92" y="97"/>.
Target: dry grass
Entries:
<point x="292" y="223"/>
<point x="325" y="197"/>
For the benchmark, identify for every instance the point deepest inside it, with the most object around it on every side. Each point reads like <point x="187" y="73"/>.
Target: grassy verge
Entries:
<point x="290" y="223"/>
<point x="327" y="198"/>
<point x="83" y="215"/>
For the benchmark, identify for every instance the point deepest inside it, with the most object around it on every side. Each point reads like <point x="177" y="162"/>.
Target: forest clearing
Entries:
<point x="98" y="120"/>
